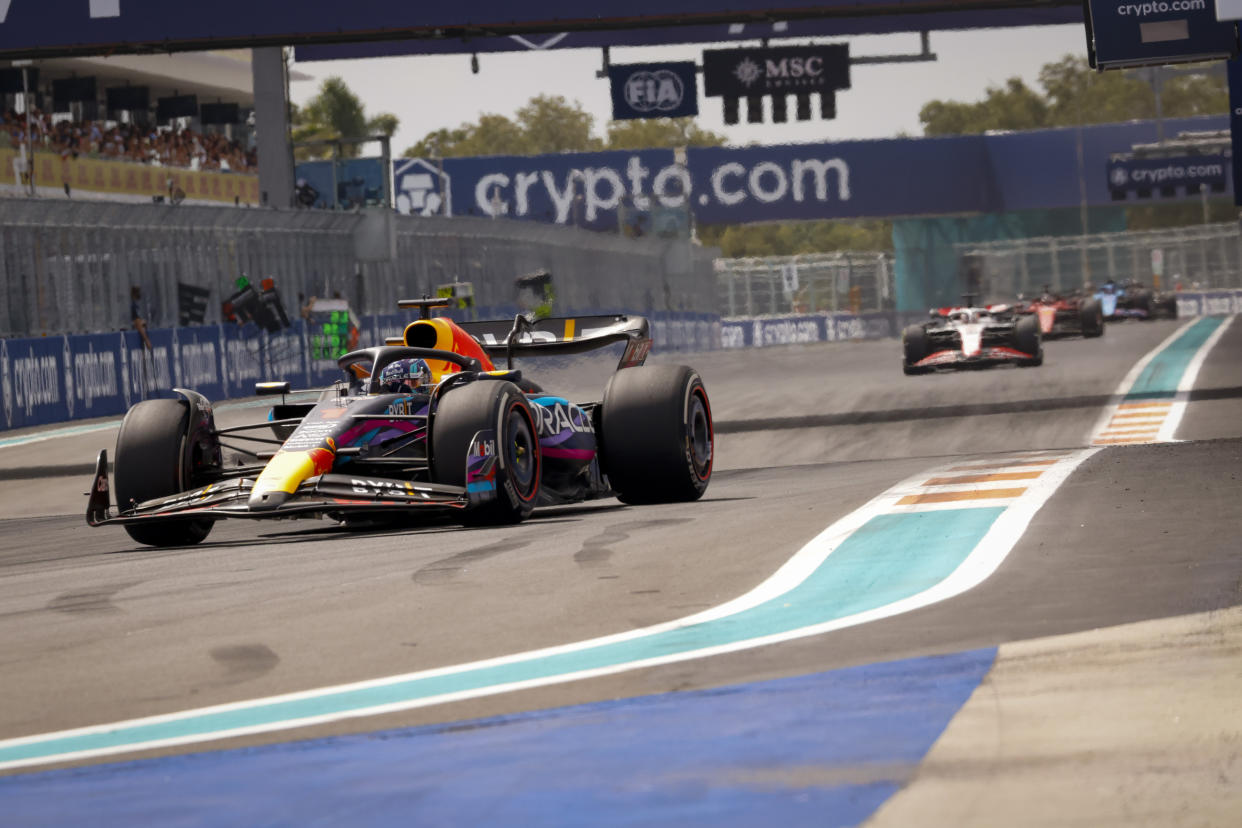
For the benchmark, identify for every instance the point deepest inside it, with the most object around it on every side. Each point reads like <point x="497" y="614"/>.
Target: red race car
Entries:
<point x="1065" y="314"/>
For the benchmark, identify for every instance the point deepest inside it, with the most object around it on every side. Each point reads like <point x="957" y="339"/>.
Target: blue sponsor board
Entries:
<point x="1182" y="175"/>
<point x="1124" y="33"/>
<point x="654" y="90"/>
<point x="578" y="189"/>
<point x="1234" y="70"/>
<point x="847" y="179"/>
<point x="1216" y="303"/>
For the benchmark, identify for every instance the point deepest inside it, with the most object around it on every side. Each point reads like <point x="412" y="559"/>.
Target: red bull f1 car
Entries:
<point x="1065" y="314"/>
<point x="971" y="337"/>
<point x="425" y="423"/>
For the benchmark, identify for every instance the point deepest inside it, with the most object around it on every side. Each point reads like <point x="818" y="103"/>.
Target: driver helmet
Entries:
<point x="404" y="375"/>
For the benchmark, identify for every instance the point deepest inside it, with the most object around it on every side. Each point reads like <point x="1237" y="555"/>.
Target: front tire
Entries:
<point x="657" y="441"/>
<point x="915" y="347"/>
<point x="151" y="462"/>
<point x="1027" y="340"/>
<point x="501" y="407"/>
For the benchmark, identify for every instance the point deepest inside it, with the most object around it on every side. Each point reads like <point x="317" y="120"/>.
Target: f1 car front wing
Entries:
<point x="327" y="493"/>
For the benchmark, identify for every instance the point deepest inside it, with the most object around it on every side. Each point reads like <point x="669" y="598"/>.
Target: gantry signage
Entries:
<point x="776" y="73"/>
<point x="31" y="28"/>
<point x="1123" y="33"/>
<point x="654" y="90"/>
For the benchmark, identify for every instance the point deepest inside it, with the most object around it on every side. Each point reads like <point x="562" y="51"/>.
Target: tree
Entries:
<point x="336" y="112"/>
<point x="547" y="123"/>
<point x="647" y="133"/>
<point x="1074" y="93"/>
<point x="1013" y="106"/>
<point x="788" y="238"/>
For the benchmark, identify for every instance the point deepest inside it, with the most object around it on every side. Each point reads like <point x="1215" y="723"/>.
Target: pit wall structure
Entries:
<point x="56" y="379"/>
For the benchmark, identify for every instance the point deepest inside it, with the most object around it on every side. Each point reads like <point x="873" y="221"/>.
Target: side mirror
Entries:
<point x="264" y="389"/>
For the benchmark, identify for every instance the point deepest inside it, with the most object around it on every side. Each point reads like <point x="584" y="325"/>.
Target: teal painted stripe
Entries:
<point x="1160" y="378"/>
<point x="889" y="558"/>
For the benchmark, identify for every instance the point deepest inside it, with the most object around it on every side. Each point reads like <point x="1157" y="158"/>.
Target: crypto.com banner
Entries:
<point x="1032" y="170"/>
<point x="720" y="185"/>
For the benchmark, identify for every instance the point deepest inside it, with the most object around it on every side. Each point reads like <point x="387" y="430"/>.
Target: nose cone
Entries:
<point x="283" y="474"/>
<point x="267" y="501"/>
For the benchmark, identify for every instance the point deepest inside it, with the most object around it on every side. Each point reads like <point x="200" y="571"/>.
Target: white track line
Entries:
<point x="1187" y="383"/>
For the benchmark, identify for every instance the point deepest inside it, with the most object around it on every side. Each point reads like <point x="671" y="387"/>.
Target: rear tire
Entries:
<point x="656" y="436"/>
<point x="1091" y="317"/>
<point x="1026" y="339"/>
<point x="151" y="462"/>
<point x="501" y="407"/>
<point x="915" y="347"/>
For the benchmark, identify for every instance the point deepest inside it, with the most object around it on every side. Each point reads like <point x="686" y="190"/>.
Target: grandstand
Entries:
<point x="132" y="128"/>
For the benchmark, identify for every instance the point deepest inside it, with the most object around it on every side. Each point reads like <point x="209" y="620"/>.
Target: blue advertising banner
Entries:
<point x="1234" y="70"/>
<point x="654" y="90"/>
<point x="34" y="26"/>
<point x="35" y="381"/>
<point x="713" y="33"/>
<point x="1124" y="33"/>
<point x="1182" y="175"/>
<point x="732" y="185"/>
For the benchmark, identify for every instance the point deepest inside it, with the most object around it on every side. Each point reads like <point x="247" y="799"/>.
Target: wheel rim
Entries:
<point x="521" y="453"/>
<point x="699" y="434"/>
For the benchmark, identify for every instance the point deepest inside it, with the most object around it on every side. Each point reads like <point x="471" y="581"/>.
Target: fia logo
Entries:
<point x="658" y="91"/>
<point x="422" y="189"/>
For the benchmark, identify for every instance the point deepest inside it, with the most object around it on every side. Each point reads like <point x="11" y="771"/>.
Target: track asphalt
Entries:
<point x="1136" y="533"/>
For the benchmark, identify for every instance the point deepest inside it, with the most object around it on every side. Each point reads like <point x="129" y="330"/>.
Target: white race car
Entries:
<point x="971" y="337"/>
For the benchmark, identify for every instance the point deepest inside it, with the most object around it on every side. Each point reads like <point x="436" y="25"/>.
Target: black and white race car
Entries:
<point x="971" y="337"/>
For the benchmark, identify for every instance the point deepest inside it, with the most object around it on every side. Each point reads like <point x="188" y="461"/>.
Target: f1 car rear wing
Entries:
<point x="564" y="335"/>
<point x="550" y="335"/>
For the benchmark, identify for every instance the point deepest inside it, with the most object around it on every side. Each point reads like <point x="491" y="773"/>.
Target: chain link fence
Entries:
<point x="855" y="282"/>
<point x="1198" y="257"/>
<point x="68" y="266"/>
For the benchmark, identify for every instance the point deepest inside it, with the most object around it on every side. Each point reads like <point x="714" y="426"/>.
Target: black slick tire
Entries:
<point x="1091" y="317"/>
<point x="150" y="462"/>
<point x="915" y="347"/>
<point x="500" y="407"/>
<point x="1026" y="339"/>
<point x="657" y="443"/>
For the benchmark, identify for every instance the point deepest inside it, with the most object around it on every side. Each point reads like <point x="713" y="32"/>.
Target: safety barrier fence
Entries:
<point x="68" y="266"/>
<point x="1196" y="257"/>
<point x="60" y="378"/>
<point x="851" y="281"/>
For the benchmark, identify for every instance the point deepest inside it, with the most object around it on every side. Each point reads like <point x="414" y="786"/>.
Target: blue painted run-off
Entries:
<point x="889" y="558"/>
<point x="823" y="750"/>
<point x="1159" y="380"/>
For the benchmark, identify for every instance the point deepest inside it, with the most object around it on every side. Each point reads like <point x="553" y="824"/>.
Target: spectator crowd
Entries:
<point x="164" y="147"/>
